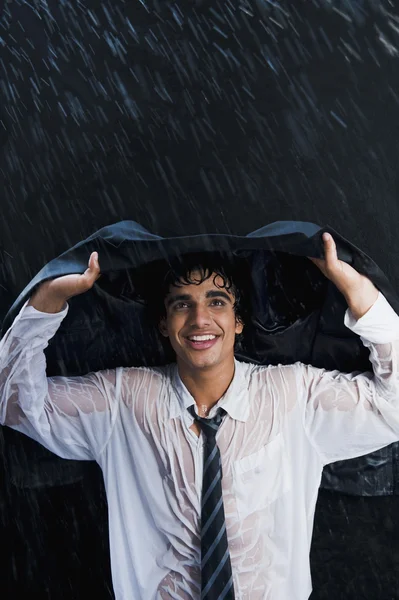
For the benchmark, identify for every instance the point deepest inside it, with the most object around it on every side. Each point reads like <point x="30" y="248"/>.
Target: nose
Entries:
<point x="200" y="317"/>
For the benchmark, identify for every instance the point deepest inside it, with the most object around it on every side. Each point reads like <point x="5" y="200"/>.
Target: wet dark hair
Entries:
<point x="156" y="279"/>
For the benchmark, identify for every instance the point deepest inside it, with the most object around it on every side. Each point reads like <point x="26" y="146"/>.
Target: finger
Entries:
<point x="317" y="261"/>
<point x="97" y="265"/>
<point x="92" y="273"/>
<point x="320" y="264"/>
<point x="94" y="263"/>
<point x="330" y="250"/>
<point x="328" y="244"/>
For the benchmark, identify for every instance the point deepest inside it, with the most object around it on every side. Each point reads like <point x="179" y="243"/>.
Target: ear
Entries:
<point x="239" y="326"/>
<point x="163" y="328"/>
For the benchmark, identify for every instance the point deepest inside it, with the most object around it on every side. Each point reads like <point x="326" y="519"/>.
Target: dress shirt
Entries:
<point x="283" y="424"/>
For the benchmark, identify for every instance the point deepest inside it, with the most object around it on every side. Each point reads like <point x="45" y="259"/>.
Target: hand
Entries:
<point x="52" y="295"/>
<point x="360" y="293"/>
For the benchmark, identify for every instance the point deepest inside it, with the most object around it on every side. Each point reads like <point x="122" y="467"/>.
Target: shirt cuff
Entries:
<point x="31" y="323"/>
<point x="380" y="324"/>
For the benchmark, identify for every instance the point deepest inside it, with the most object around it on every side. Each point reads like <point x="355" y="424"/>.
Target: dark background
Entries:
<point x="188" y="117"/>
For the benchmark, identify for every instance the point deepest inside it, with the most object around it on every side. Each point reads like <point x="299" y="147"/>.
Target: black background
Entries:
<point x="189" y="117"/>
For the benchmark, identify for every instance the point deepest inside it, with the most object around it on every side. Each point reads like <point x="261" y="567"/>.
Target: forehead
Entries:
<point x="213" y="282"/>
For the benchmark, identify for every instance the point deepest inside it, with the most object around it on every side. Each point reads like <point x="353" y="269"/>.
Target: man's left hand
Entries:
<point x="359" y="292"/>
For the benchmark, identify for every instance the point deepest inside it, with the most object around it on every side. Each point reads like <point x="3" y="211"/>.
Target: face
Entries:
<point x="201" y="323"/>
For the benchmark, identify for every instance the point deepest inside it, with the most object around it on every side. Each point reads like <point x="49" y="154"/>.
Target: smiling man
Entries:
<point x="202" y="323"/>
<point x="211" y="465"/>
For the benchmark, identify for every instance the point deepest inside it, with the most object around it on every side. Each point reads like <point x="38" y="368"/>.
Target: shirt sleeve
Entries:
<point x="349" y="415"/>
<point x="71" y="416"/>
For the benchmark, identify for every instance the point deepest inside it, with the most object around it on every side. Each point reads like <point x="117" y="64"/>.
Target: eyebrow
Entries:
<point x="186" y="297"/>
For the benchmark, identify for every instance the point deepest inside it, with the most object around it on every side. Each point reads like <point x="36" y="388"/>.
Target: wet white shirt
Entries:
<point x="283" y="424"/>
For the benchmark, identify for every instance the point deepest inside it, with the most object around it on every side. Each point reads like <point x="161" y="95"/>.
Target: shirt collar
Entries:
<point x="235" y="401"/>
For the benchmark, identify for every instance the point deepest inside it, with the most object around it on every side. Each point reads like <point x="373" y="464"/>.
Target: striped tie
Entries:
<point x="216" y="576"/>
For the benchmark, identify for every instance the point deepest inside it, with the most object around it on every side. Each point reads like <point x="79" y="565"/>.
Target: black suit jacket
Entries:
<point x="296" y="315"/>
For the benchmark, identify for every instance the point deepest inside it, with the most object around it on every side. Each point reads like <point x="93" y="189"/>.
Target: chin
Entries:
<point x="205" y="362"/>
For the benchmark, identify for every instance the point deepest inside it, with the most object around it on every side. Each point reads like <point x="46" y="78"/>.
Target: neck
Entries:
<point x="207" y="386"/>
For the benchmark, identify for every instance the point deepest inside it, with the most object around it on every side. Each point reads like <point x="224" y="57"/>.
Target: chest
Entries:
<point x="254" y="459"/>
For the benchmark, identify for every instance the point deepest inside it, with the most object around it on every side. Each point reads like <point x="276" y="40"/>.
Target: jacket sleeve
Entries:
<point x="349" y="415"/>
<point x="71" y="416"/>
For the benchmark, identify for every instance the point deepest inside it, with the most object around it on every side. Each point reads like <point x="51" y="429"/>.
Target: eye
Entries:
<point x="218" y="303"/>
<point x="180" y="305"/>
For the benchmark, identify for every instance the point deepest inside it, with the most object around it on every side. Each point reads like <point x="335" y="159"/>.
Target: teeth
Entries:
<point x="201" y="338"/>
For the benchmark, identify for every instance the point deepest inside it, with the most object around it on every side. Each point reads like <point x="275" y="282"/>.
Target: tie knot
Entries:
<point x="208" y="426"/>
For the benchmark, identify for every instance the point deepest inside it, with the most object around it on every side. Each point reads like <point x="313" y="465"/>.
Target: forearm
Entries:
<point x="361" y="300"/>
<point x="71" y="416"/>
<point x="47" y="301"/>
<point x="350" y="414"/>
<point x="23" y="365"/>
<point x="378" y="329"/>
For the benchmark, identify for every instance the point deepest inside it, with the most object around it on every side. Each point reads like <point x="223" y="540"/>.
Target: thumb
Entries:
<point x="92" y="273"/>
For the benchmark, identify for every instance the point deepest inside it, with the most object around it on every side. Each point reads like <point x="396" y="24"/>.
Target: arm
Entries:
<point x="349" y="415"/>
<point x="72" y="417"/>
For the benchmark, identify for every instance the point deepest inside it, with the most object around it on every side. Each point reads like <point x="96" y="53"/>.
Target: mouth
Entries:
<point x="201" y="342"/>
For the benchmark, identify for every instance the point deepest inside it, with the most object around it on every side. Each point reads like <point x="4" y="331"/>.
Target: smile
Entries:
<point x="202" y="342"/>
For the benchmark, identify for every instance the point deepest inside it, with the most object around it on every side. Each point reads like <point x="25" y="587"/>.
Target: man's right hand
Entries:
<point x="52" y="295"/>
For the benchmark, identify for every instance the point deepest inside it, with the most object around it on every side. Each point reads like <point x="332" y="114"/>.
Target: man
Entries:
<point x="149" y="429"/>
